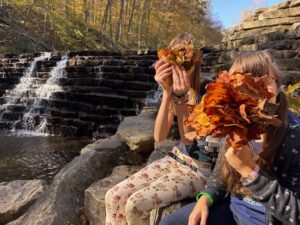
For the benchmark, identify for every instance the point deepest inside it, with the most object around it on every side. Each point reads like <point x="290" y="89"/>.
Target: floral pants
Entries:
<point x="157" y="185"/>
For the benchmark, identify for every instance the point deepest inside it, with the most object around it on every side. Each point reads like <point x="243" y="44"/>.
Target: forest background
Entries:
<point x="49" y="25"/>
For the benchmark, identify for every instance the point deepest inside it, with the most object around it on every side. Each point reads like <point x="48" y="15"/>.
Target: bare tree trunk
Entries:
<point x="86" y="13"/>
<point x="28" y="11"/>
<point x="148" y="22"/>
<point x="110" y="28"/>
<point x="46" y="18"/>
<point x="141" y="24"/>
<point x="119" y="24"/>
<point x="104" y="20"/>
<point x="94" y="12"/>
<point x="131" y="17"/>
<point x="67" y="11"/>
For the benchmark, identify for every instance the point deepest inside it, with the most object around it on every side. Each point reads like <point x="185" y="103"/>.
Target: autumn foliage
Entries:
<point x="184" y="55"/>
<point x="234" y="105"/>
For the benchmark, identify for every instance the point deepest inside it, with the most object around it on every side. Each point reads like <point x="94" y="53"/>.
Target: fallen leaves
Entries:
<point x="234" y="105"/>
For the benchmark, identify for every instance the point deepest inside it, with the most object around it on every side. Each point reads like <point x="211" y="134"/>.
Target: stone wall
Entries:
<point x="276" y="29"/>
<point x="98" y="89"/>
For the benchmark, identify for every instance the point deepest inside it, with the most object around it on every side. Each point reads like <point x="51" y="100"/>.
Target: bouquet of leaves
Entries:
<point x="235" y="105"/>
<point x="182" y="54"/>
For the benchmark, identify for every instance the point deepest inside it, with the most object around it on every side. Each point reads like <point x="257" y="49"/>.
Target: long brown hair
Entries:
<point x="195" y="76"/>
<point x="258" y="64"/>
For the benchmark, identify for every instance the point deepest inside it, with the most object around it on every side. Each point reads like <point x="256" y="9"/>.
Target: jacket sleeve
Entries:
<point x="280" y="196"/>
<point x="215" y="186"/>
<point x="281" y="202"/>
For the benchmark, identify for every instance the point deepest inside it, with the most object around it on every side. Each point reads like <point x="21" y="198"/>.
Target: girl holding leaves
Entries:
<point x="178" y="175"/>
<point x="257" y="182"/>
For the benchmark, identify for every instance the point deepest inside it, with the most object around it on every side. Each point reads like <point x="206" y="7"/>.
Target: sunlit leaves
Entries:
<point x="293" y="96"/>
<point x="234" y="105"/>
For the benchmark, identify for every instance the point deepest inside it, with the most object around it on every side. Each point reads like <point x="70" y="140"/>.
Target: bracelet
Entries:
<point x="180" y="101"/>
<point x="209" y="197"/>
<point x="180" y="95"/>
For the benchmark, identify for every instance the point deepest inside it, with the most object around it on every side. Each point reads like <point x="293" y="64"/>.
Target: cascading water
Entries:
<point x="36" y="121"/>
<point x="18" y="97"/>
<point x="154" y="98"/>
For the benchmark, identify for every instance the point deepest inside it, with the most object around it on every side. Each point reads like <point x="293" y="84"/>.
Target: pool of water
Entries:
<point x="31" y="156"/>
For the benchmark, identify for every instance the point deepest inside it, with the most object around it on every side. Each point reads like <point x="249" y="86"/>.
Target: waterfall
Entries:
<point x="51" y="86"/>
<point x="154" y="98"/>
<point x="36" y="121"/>
<point x="23" y="91"/>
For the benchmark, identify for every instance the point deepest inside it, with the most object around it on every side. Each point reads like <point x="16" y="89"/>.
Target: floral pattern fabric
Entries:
<point x="157" y="185"/>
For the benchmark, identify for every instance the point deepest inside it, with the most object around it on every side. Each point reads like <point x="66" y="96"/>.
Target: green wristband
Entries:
<point x="209" y="197"/>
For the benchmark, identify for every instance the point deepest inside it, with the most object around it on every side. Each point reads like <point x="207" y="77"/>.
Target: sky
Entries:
<point x="228" y="11"/>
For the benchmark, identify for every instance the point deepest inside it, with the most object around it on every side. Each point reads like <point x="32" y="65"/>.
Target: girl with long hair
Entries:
<point x="176" y="176"/>
<point x="258" y="184"/>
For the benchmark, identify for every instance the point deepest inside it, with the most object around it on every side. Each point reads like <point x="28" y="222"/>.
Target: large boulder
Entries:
<point x="94" y="196"/>
<point x="17" y="196"/>
<point x="60" y="204"/>
<point x="94" y="201"/>
<point x="137" y="132"/>
<point x="161" y="150"/>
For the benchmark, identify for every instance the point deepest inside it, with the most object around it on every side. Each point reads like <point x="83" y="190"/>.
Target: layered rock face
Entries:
<point x="276" y="28"/>
<point x="12" y="68"/>
<point x="80" y="94"/>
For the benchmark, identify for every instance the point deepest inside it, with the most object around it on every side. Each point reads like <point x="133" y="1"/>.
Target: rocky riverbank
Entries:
<point x="85" y="180"/>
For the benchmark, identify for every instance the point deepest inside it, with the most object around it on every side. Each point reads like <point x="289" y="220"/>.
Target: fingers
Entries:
<point x="176" y="81"/>
<point x="158" y="63"/>
<point x="185" y="78"/>
<point x="181" y="80"/>
<point x="162" y="77"/>
<point x="162" y="74"/>
<point x="194" y="219"/>
<point x="204" y="217"/>
<point x="161" y="65"/>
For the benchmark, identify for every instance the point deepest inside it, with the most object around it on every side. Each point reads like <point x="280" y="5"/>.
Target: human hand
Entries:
<point x="181" y="80"/>
<point x="241" y="160"/>
<point x="200" y="212"/>
<point x="163" y="70"/>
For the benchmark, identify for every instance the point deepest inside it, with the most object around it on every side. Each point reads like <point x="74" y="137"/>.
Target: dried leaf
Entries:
<point x="234" y="105"/>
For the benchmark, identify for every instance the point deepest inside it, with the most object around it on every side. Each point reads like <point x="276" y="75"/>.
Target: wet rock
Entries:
<point x="60" y="204"/>
<point x="17" y="196"/>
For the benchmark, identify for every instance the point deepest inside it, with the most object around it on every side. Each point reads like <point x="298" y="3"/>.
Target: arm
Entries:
<point x="181" y="84"/>
<point x="281" y="202"/>
<point x="212" y="193"/>
<point x="279" y="195"/>
<point x="164" y="119"/>
<point x="215" y="187"/>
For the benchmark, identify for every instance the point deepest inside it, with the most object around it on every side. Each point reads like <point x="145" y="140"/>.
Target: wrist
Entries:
<point x="205" y="197"/>
<point x="203" y="200"/>
<point x="167" y="94"/>
<point x="180" y="94"/>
